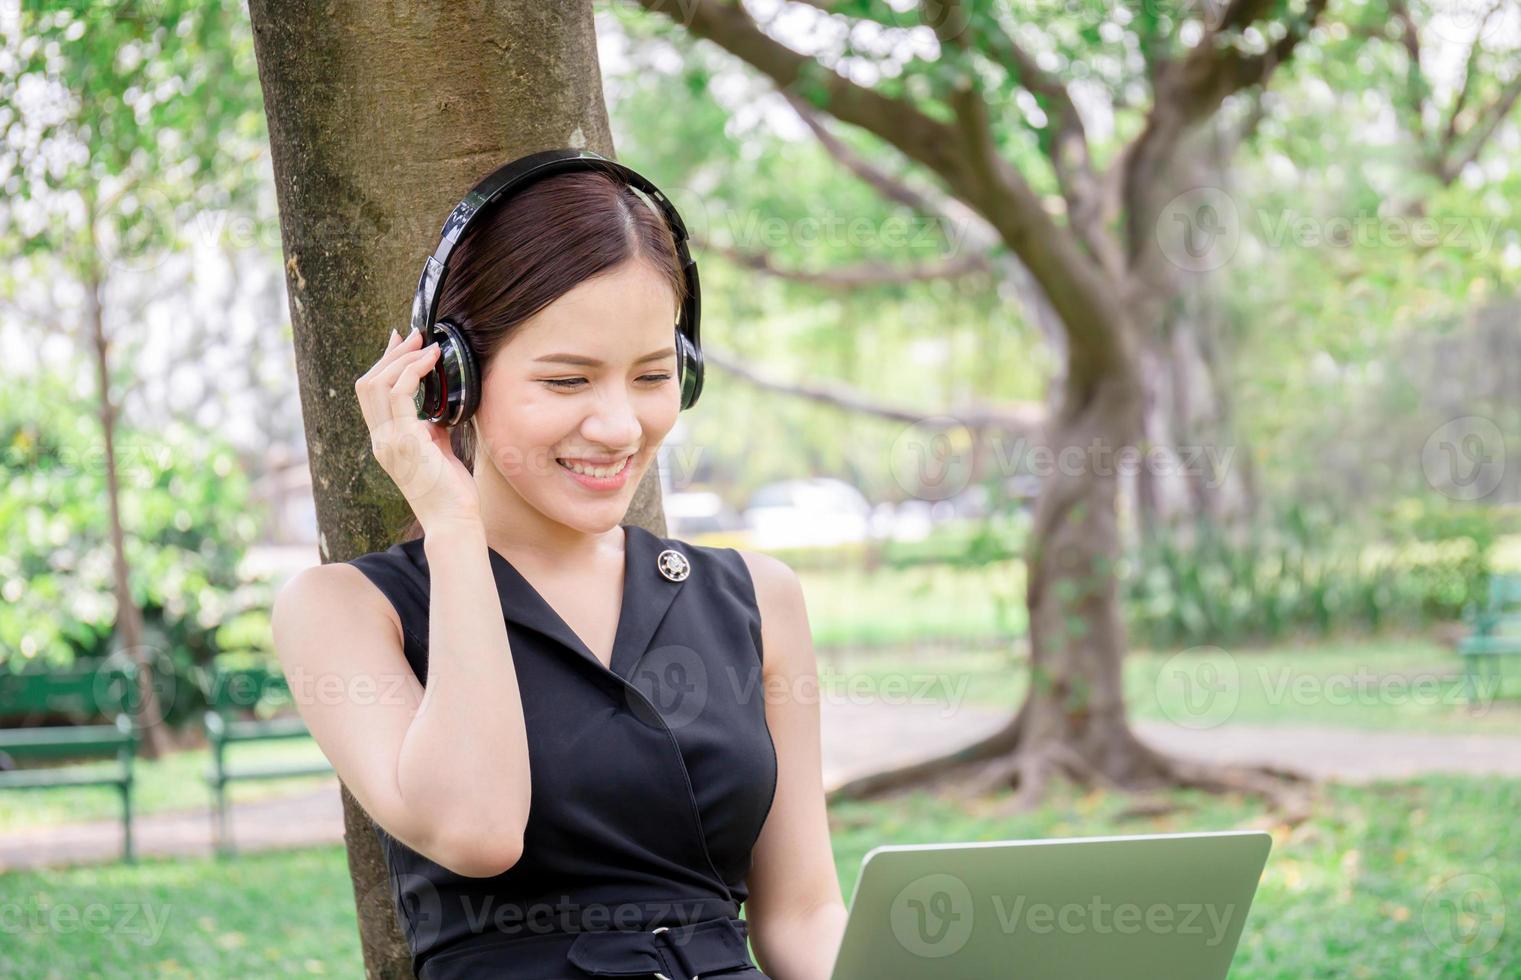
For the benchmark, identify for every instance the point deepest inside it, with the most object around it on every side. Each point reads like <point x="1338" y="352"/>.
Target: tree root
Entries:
<point x="1004" y="760"/>
<point x="1289" y="794"/>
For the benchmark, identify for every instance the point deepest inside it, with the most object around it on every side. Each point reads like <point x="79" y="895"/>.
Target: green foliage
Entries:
<point x="153" y="113"/>
<point x="1306" y="571"/>
<point x="187" y="520"/>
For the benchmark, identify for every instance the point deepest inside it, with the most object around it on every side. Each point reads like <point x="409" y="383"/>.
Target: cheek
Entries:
<point x="523" y="419"/>
<point x="660" y="420"/>
<point x="517" y="421"/>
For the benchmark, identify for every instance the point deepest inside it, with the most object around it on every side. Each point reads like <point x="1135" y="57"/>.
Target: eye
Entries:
<point x="568" y="383"/>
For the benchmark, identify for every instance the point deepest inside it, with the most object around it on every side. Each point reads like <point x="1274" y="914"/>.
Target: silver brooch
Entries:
<point x="673" y="565"/>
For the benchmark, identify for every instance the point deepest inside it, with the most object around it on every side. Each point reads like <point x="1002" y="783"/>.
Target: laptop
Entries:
<point x="1162" y="906"/>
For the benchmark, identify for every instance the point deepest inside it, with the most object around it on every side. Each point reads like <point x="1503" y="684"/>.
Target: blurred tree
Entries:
<point x="380" y="121"/>
<point x="1373" y="303"/>
<point x="986" y="98"/>
<point x="122" y="121"/>
<point x="1450" y="126"/>
<point x="178" y="486"/>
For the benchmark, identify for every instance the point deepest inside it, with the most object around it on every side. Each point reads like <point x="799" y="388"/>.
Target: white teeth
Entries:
<point x="600" y="472"/>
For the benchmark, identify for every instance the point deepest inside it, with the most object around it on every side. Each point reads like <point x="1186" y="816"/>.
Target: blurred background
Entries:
<point x="1317" y="542"/>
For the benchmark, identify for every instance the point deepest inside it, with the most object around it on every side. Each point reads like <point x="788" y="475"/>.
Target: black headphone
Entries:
<point x="451" y="392"/>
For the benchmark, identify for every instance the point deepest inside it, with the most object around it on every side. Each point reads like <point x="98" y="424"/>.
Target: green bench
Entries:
<point x="42" y="750"/>
<point x="1495" y="633"/>
<point x="234" y="691"/>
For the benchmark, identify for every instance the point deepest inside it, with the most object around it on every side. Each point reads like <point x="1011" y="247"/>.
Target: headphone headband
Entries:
<point x="499" y="185"/>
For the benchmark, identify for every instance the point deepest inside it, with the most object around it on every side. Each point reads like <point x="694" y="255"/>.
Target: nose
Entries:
<point x="614" y="422"/>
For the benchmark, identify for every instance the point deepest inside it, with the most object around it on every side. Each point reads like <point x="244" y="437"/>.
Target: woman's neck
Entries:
<point x="516" y="528"/>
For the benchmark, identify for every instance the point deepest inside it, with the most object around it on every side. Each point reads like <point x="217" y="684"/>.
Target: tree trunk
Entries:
<point x="380" y="121"/>
<point x="129" y="618"/>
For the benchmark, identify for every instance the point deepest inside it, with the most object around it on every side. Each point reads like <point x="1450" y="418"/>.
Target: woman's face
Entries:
<point x="589" y="380"/>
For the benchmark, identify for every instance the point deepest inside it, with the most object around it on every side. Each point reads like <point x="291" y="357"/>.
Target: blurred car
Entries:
<point x="906" y="520"/>
<point x="812" y="512"/>
<point x="702" y="517"/>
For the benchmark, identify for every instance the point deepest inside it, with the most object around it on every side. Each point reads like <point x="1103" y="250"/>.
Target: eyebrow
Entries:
<point x="580" y="361"/>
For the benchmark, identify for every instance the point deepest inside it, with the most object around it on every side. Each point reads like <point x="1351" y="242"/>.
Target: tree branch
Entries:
<point x="1483" y="128"/>
<point x="890" y="187"/>
<point x="857" y="276"/>
<point x="1025" y="418"/>
<point x="1417" y="89"/>
<point x="978" y="234"/>
<point x="1071" y="159"/>
<point x="1189" y="90"/>
<point x="1446" y="152"/>
<point x="1072" y="281"/>
<point x="1470" y="72"/>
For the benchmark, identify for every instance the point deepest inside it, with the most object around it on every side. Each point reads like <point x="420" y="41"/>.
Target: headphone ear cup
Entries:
<point x="431" y="388"/>
<point x="450" y="392"/>
<point x="468" y="380"/>
<point x="689" y="365"/>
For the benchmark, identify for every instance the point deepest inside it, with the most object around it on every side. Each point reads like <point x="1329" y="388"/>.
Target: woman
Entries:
<point x="596" y="789"/>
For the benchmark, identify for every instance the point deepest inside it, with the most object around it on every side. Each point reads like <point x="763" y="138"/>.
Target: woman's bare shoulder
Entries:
<point x="335" y="589"/>
<point x="772" y="576"/>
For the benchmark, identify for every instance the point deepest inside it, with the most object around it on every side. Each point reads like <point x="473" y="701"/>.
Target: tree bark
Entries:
<point x="380" y="120"/>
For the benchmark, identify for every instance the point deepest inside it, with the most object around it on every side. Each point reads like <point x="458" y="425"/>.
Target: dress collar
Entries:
<point x="647" y="596"/>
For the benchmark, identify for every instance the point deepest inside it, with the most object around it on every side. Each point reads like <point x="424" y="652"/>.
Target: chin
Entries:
<point x="597" y="519"/>
<point x="585" y="512"/>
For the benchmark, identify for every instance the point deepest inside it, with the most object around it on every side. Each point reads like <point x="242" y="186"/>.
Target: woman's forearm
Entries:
<point x="464" y="759"/>
<point x="802" y="947"/>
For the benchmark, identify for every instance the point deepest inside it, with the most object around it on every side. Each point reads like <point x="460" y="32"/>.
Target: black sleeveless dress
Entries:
<point x="651" y="780"/>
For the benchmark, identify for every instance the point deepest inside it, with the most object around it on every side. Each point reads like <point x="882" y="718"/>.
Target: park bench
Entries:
<point x="1495" y="632"/>
<point x="234" y="691"/>
<point x="41" y="757"/>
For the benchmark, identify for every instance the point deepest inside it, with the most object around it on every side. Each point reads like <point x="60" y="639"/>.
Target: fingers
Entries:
<point x="383" y="371"/>
<point x="408" y="375"/>
<point x="374" y="388"/>
<point x="396" y="346"/>
<point x="387" y="377"/>
<point x="376" y="396"/>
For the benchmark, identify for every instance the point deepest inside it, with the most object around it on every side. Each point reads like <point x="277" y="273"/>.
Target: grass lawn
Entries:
<point x="1405" y="684"/>
<point x="1366" y="888"/>
<point x="852" y="605"/>
<point x="174" y="782"/>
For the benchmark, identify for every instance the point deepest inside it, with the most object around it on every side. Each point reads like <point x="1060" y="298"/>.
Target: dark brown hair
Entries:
<point x="534" y="248"/>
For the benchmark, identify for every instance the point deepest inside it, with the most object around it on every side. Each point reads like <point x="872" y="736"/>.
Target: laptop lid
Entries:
<point x="1163" y="906"/>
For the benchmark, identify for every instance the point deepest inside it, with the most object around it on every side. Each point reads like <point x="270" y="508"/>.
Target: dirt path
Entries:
<point x="857" y="738"/>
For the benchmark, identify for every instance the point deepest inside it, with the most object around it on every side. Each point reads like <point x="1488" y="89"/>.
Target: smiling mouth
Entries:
<point x="601" y="471"/>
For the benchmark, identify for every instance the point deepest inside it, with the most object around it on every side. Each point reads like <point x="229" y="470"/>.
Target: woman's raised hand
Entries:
<point x="414" y="452"/>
